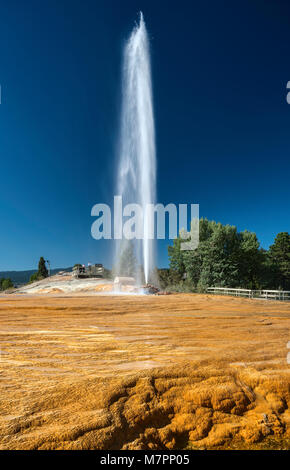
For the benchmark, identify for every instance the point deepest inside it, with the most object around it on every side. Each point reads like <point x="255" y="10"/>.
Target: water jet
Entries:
<point x="136" y="173"/>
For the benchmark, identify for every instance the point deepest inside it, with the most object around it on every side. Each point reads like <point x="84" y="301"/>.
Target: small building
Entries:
<point x="93" y="270"/>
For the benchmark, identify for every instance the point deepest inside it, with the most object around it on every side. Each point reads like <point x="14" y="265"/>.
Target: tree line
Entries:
<point x="223" y="258"/>
<point x="5" y="283"/>
<point x="227" y="258"/>
<point x="42" y="272"/>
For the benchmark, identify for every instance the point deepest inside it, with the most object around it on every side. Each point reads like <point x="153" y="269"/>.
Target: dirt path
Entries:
<point x="143" y="372"/>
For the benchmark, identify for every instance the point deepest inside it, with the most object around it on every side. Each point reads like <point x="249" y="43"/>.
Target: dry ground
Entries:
<point x="135" y="372"/>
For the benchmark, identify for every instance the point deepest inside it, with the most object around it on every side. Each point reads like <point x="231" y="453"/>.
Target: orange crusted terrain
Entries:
<point x="143" y="372"/>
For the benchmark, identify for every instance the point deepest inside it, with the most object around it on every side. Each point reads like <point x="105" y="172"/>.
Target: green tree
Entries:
<point x="163" y="276"/>
<point x="223" y="258"/>
<point x="279" y="254"/>
<point x="250" y="261"/>
<point x="227" y="258"/>
<point x="269" y="274"/>
<point x="6" y="284"/>
<point x="34" y="277"/>
<point x="169" y="278"/>
<point x="215" y="261"/>
<point x="42" y="270"/>
<point x="176" y="259"/>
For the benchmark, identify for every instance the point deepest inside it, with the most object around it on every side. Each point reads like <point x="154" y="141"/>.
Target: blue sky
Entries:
<point x="219" y="70"/>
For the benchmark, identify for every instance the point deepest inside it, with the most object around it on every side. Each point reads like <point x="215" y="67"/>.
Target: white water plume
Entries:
<point x="136" y="178"/>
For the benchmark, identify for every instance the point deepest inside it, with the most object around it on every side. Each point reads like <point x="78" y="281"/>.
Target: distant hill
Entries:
<point x="22" y="277"/>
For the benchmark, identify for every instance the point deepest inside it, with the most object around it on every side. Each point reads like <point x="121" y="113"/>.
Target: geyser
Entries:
<point x="136" y="177"/>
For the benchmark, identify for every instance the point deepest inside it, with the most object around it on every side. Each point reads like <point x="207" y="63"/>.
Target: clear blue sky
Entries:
<point x="220" y="71"/>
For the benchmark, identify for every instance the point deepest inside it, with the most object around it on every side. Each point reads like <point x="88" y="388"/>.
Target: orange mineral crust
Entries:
<point x="101" y="371"/>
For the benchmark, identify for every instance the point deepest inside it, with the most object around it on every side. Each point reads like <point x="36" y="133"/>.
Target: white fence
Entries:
<point x="258" y="294"/>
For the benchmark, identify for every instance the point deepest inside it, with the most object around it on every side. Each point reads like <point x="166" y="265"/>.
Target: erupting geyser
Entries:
<point x="136" y="178"/>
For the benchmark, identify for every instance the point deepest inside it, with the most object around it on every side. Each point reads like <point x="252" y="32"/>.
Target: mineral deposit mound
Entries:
<point x="83" y="370"/>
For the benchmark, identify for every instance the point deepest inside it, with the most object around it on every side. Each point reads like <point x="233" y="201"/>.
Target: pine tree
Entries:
<point x="176" y="261"/>
<point x="42" y="270"/>
<point x="279" y="253"/>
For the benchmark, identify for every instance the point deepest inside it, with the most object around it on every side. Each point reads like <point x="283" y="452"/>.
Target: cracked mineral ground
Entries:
<point x="143" y="372"/>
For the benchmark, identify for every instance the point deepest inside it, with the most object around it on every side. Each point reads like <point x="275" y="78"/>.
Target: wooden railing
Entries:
<point x="258" y="294"/>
